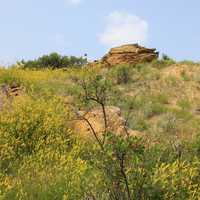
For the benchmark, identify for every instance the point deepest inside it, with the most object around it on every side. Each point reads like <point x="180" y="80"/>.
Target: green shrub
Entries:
<point x="169" y="124"/>
<point x="139" y="123"/>
<point x="178" y="180"/>
<point x="124" y="74"/>
<point x="28" y="125"/>
<point x="53" y="61"/>
<point x="184" y="104"/>
<point x="151" y="109"/>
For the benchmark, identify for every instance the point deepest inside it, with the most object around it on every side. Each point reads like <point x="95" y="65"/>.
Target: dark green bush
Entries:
<point x="54" y="61"/>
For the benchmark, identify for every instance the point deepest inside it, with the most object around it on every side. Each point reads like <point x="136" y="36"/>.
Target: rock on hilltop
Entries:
<point x="129" y="54"/>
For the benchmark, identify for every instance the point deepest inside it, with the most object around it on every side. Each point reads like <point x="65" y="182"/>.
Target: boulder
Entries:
<point x="129" y="54"/>
<point x="11" y="90"/>
<point x="8" y="92"/>
<point x="116" y="123"/>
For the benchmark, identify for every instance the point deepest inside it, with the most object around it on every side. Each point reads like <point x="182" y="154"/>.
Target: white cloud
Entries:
<point x="73" y="2"/>
<point x="123" y="28"/>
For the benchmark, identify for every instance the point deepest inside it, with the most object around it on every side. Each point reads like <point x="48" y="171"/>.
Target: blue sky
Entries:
<point x="30" y="28"/>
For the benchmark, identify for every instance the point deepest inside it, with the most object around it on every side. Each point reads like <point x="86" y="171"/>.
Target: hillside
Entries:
<point x="56" y="142"/>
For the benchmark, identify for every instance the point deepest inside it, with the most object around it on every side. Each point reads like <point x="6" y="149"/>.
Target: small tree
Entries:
<point x="115" y="154"/>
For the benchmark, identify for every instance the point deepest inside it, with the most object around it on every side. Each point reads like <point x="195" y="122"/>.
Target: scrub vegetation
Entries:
<point x="44" y="157"/>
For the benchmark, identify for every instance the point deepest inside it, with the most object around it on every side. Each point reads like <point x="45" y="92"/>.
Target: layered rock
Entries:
<point x="129" y="54"/>
<point x="11" y="90"/>
<point x="7" y="92"/>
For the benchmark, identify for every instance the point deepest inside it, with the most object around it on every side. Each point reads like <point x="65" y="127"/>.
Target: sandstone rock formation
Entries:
<point x="116" y="123"/>
<point x="7" y="92"/>
<point x="11" y="90"/>
<point x="129" y="54"/>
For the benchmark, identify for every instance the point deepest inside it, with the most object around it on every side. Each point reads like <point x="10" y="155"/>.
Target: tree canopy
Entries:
<point x="54" y="61"/>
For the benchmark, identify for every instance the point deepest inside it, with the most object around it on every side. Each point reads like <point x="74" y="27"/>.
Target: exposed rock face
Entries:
<point x="11" y="90"/>
<point x="116" y="123"/>
<point x="7" y="92"/>
<point x="129" y="54"/>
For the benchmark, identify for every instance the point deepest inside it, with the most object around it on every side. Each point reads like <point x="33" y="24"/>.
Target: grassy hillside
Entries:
<point x="44" y="156"/>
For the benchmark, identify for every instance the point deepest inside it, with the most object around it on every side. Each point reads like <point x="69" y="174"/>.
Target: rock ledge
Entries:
<point x="129" y="54"/>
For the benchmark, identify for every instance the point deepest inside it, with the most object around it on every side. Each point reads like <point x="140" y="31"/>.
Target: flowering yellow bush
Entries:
<point x="26" y="125"/>
<point x="42" y="158"/>
<point x="178" y="180"/>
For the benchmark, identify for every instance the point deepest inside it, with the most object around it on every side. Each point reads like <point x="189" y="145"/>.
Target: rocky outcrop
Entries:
<point x="11" y="90"/>
<point x="116" y="123"/>
<point x="129" y="54"/>
<point x="7" y="92"/>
